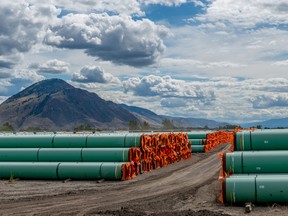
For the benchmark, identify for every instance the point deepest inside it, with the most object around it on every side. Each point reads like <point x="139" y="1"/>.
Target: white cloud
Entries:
<point x="112" y="38"/>
<point x="165" y="87"/>
<point x="283" y="63"/>
<point x="171" y="2"/>
<point x="128" y="7"/>
<point x="246" y="13"/>
<point x="173" y="102"/>
<point x="269" y="100"/>
<point x="20" y="26"/>
<point x="94" y="74"/>
<point x="53" y="66"/>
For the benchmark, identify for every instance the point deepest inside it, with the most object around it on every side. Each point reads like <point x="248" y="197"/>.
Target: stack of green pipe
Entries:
<point x="259" y="167"/>
<point x="197" y="145"/>
<point x="60" y="156"/>
<point x="259" y="188"/>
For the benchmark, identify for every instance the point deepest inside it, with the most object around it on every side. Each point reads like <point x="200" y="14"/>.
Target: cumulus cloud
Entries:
<point x="129" y="7"/>
<point x="283" y="63"/>
<point x="21" y="25"/>
<point x="267" y="101"/>
<point x="173" y="102"/>
<point x="53" y="66"/>
<point x="171" y="2"/>
<point x="92" y="74"/>
<point x="9" y="60"/>
<point x="246" y="13"/>
<point x="118" y="39"/>
<point x="166" y="87"/>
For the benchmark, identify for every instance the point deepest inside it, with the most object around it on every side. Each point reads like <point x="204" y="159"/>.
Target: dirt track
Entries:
<point x="188" y="187"/>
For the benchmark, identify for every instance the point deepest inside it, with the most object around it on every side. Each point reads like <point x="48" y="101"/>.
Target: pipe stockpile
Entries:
<point x="206" y="141"/>
<point x="159" y="150"/>
<point x="81" y="156"/>
<point x="256" y="176"/>
<point x="217" y="138"/>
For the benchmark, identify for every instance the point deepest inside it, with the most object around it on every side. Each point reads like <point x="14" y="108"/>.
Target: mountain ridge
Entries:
<point x="53" y="104"/>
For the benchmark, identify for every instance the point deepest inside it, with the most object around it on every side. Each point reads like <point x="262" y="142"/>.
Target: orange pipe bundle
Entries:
<point x="217" y="138"/>
<point x="155" y="151"/>
<point x="159" y="150"/>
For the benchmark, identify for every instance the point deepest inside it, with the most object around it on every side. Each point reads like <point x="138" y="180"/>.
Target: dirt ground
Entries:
<point x="189" y="187"/>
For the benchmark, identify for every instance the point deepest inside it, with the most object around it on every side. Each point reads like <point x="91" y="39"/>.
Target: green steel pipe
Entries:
<point x="60" y="155"/>
<point x="28" y="170"/>
<point x="65" y="170"/>
<point x="198" y="148"/>
<point x="197" y="141"/>
<point x="18" y="154"/>
<point x="261" y="140"/>
<point x="239" y="190"/>
<point x="113" y="140"/>
<point x="90" y="171"/>
<point x="105" y="154"/>
<point x="256" y="162"/>
<point x="259" y="189"/>
<point x="26" y="141"/>
<point x="80" y="171"/>
<point x="70" y="141"/>
<point x="111" y="171"/>
<point x="64" y="154"/>
<point x="197" y="135"/>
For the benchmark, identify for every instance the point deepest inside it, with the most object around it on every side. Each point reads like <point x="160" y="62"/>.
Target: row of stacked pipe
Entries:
<point x="88" y="156"/>
<point x="208" y="140"/>
<point x="257" y="170"/>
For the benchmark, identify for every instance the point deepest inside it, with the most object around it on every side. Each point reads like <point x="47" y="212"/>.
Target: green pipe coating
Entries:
<point x="64" y="154"/>
<point x="61" y="171"/>
<point x="197" y="141"/>
<point x="26" y="141"/>
<point x="197" y="135"/>
<point x="261" y="140"/>
<point x="198" y="148"/>
<point x="258" y="189"/>
<point x="256" y="162"/>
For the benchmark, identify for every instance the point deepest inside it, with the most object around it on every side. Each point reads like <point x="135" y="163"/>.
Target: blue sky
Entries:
<point x="218" y="59"/>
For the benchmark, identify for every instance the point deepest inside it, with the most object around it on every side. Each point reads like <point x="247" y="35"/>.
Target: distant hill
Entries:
<point x="54" y="104"/>
<point x="272" y="123"/>
<point x="195" y="122"/>
<point x="145" y="115"/>
<point x="154" y="119"/>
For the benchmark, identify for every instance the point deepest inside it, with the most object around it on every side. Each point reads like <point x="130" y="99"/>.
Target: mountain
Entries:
<point x="272" y="123"/>
<point x="145" y="115"/>
<point x="195" y="122"/>
<point x="54" y="104"/>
